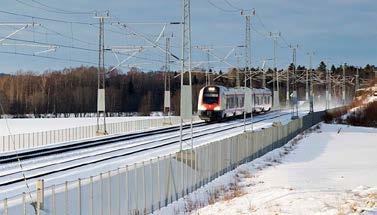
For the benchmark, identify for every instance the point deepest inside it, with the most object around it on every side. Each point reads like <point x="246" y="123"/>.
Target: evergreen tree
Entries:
<point x="322" y="67"/>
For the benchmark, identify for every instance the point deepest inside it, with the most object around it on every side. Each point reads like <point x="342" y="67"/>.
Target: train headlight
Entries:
<point x="211" y="89"/>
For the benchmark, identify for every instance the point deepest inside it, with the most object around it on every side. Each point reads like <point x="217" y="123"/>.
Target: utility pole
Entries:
<point x="208" y="75"/>
<point x="330" y="88"/>
<point x="311" y="92"/>
<point x="327" y="89"/>
<point x="276" y="100"/>
<point x="167" y="77"/>
<point x="186" y="89"/>
<point x="344" y="85"/>
<point x="248" y="63"/>
<point x="101" y="101"/>
<point x="295" y="87"/>
<point x="238" y="82"/>
<point x="357" y="84"/>
<point x="287" y="95"/>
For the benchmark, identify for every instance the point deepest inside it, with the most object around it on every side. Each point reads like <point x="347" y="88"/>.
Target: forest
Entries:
<point x="74" y="90"/>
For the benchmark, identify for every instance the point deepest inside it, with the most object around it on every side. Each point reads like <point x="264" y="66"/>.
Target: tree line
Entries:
<point x="74" y="90"/>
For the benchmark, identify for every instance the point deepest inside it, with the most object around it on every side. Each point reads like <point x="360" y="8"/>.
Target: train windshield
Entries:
<point x="211" y="95"/>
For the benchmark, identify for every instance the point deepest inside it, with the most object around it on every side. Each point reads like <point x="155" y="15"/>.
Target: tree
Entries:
<point x="322" y="67"/>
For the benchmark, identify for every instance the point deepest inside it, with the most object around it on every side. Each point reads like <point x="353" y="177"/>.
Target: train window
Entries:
<point x="210" y="98"/>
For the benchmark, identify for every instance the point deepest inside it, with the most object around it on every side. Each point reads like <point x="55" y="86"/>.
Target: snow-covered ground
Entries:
<point x="331" y="170"/>
<point x="86" y="155"/>
<point x="18" y="126"/>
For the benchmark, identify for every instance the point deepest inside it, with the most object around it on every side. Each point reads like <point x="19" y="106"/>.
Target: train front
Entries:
<point x="209" y="107"/>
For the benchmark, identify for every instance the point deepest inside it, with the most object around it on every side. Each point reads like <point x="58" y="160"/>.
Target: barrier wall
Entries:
<point x="144" y="187"/>
<point x="36" y="139"/>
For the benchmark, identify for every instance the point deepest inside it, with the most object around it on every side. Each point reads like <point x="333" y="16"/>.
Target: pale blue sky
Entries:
<point x="337" y="30"/>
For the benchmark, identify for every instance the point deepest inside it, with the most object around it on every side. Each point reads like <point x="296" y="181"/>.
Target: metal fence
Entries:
<point x="30" y="140"/>
<point x="144" y="187"/>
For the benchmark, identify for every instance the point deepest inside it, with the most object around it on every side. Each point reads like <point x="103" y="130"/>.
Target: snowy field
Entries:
<point x="329" y="170"/>
<point x="18" y="126"/>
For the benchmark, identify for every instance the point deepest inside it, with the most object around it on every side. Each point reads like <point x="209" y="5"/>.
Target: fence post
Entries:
<point x="182" y="175"/>
<point x="79" y="196"/>
<point x="5" y="206"/>
<point x="66" y="197"/>
<point x="144" y="190"/>
<point x="186" y="176"/>
<point x="218" y="159"/>
<point x="151" y="170"/>
<point x="158" y="183"/>
<point x="53" y="200"/>
<point x="101" y="193"/>
<point x="118" y="173"/>
<point x="195" y="169"/>
<point x="209" y="164"/>
<point x="127" y="191"/>
<point x="91" y="209"/>
<point x="109" y="192"/>
<point x="136" y="190"/>
<point x="40" y="195"/>
<point x="24" y="203"/>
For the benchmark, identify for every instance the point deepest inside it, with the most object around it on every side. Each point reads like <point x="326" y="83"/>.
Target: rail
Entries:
<point x="147" y="186"/>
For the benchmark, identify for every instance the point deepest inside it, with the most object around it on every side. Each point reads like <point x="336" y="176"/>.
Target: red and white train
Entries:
<point x="218" y="102"/>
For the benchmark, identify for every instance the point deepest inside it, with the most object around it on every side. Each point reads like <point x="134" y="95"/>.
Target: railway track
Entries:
<point x="11" y="177"/>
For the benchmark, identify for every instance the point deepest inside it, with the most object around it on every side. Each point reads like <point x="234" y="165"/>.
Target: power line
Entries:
<point x="232" y="6"/>
<point x="47" y="57"/>
<point x="222" y="9"/>
<point x="260" y="33"/>
<point x="284" y="40"/>
<point x="54" y="10"/>
<point x="65" y="36"/>
<point x="48" y="19"/>
<point x="53" y="44"/>
<point x="261" y="22"/>
<point x="59" y="10"/>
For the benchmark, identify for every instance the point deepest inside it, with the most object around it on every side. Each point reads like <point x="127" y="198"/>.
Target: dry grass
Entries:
<point x="234" y="191"/>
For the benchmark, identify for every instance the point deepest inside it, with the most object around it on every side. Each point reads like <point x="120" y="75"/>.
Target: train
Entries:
<point x="218" y="102"/>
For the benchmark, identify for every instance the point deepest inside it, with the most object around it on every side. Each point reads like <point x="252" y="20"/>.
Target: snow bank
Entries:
<point x="332" y="170"/>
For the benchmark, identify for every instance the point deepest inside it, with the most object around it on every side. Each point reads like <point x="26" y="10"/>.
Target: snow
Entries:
<point x="28" y="125"/>
<point x="332" y="170"/>
<point x="54" y="162"/>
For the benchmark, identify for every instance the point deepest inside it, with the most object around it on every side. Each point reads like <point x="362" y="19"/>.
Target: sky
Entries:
<point x="66" y="33"/>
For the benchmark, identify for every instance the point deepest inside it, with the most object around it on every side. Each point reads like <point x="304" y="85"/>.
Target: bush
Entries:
<point x="364" y="117"/>
<point x="334" y="115"/>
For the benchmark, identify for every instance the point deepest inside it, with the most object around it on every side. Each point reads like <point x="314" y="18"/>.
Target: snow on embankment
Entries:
<point x="28" y="125"/>
<point x="331" y="170"/>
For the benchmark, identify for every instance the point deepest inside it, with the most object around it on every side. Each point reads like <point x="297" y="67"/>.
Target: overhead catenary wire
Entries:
<point x="66" y="36"/>
<point x="232" y="6"/>
<point x="53" y="44"/>
<point x="63" y="11"/>
<point x="220" y="8"/>
<point x="47" y="57"/>
<point x="48" y="19"/>
<point x="56" y="10"/>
